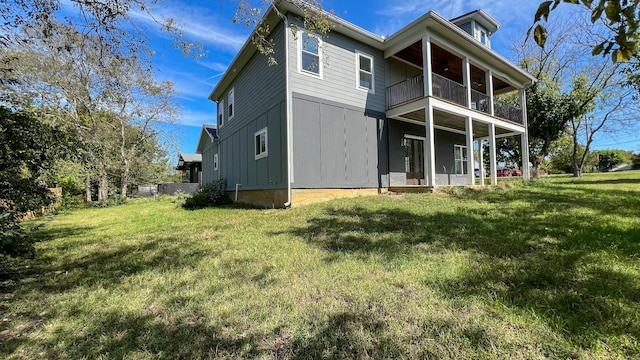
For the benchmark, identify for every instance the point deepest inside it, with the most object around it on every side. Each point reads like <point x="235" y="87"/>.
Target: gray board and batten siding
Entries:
<point x="209" y="174"/>
<point x="339" y="72"/>
<point x="337" y="146"/>
<point x="260" y="101"/>
<point x="339" y="130"/>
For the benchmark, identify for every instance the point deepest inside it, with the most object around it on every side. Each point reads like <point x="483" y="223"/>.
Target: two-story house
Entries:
<point x="354" y="113"/>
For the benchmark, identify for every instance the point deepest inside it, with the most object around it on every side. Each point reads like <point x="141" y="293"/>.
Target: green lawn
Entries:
<point x="548" y="270"/>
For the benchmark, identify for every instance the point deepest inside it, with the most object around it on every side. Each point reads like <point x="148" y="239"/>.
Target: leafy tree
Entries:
<point x="561" y="156"/>
<point x="608" y="159"/>
<point x="576" y="94"/>
<point x="29" y="147"/>
<point x="111" y="21"/>
<point x="110" y="98"/>
<point x="620" y="17"/>
<point x="635" y="161"/>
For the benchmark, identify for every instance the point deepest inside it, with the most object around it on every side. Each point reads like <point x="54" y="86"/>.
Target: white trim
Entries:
<point x="265" y="153"/>
<point x="408" y="136"/>
<point x="444" y="128"/>
<point x="463" y="149"/>
<point x="231" y="105"/>
<point x="301" y="70"/>
<point x="359" y="54"/>
<point x="289" y="111"/>
<point x="220" y="120"/>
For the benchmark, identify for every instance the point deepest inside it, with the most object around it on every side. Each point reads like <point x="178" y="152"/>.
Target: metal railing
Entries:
<point x="413" y="88"/>
<point x="448" y="89"/>
<point x="503" y="110"/>
<point x="405" y="91"/>
<point x="480" y="101"/>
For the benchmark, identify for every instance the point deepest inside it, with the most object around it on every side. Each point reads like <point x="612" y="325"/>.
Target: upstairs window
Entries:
<point x="232" y="103"/>
<point x="221" y="113"/>
<point x="365" y="72"/>
<point x="482" y="35"/>
<point x="310" y="54"/>
<point x="261" y="149"/>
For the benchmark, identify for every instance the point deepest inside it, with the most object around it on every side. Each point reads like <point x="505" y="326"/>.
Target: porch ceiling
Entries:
<point x="450" y="121"/>
<point x="450" y="66"/>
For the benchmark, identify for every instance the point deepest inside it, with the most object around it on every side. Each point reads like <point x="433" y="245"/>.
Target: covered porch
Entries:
<point x="455" y="104"/>
<point x="445" y="147"/>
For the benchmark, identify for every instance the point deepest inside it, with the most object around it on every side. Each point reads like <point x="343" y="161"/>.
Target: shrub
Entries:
<point x="210" y="194"/>
<point x="13" y="240"/>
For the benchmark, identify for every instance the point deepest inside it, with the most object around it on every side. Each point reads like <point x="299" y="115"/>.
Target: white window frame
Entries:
<point x="231" y="106"/>
<point x="261" y="154"/>
<point x="301" y="50"/>
<point x="462" y="160"/>
<point x="215" y="162"/>
<point x="221" y="113"/>
<point x="372" y="90"/>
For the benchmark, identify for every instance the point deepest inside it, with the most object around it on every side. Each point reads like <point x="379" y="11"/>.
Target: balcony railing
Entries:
<point x="480" y="101"/>
<point x="405" y="91"/>
<point x="448" y="89"/>
<point x="503" y="110"/>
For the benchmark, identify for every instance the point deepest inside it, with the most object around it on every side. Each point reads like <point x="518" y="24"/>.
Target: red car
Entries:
<point x="509" y="172"/>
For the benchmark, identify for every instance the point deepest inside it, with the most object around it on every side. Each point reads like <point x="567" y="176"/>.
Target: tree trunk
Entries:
<point x="103" y="181"/>
<point x="87" y="188"/>
<point x="576" y="167"/>
<point x="124" y="181"/>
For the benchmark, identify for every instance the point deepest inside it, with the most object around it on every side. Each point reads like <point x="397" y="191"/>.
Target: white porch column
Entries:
<point x="489" y="81"/>
<point x="426" y="64"/>
<point x="492" y="154"/>
<point x="470" y="158"/>
<point x="466" y="79"/>
<point x="483" y="173"/>
<point x="524" y="143"/>
<point x="429" y="146"/>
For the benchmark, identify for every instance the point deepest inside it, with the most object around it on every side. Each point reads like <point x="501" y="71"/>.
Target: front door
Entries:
<point x="414" y="161"/>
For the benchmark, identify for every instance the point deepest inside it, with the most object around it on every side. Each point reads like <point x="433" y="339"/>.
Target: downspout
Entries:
<point x="288" y="112"/>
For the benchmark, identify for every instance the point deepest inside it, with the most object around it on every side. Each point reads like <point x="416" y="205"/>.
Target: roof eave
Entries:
<point x="435" y="20"/>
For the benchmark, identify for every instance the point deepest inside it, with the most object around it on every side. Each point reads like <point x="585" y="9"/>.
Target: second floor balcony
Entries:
<point x="412" y="89"/>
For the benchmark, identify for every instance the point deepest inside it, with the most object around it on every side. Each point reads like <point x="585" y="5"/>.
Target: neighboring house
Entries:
<point x="353" y="112"/>
<point x="191" y="164"/>
<point x="208" y="147"/>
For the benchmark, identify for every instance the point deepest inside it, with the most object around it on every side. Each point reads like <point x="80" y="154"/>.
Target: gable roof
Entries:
<point x="189" y="158"/>
<point x="208" y="133"/>
<point x="431" y="19"/>
<point x="479" y="16"/>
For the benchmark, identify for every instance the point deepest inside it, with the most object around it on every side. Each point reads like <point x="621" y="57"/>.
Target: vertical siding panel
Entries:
<point x="274" y="122"/>
<point x="332" y="133"/>
<point x="307" y="140"/>
<point x="356" y="147"/>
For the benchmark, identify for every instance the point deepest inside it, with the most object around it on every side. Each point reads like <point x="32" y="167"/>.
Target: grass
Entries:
<point x="547" y="270"/>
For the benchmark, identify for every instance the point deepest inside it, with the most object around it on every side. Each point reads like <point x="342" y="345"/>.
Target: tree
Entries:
<point x="620" y="17"/>
<point x="577" y="94"/>
<point x="29" y="146"/>
<point x="608" y="159"/>
<point x="111" y="21"/>
<point x="635" y="161"/>
<point x="78" y="80"/>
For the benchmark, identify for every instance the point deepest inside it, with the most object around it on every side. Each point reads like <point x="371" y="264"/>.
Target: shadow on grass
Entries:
<point x="529" y="252"/>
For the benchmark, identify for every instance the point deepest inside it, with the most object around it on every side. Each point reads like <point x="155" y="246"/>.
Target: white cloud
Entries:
<point x="196" y="118"/>
<point x="398" y="13"/>
<point x="197" y="24"/>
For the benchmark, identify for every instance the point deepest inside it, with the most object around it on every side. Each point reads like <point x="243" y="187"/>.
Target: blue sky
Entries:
<point x="209" y="24"/>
